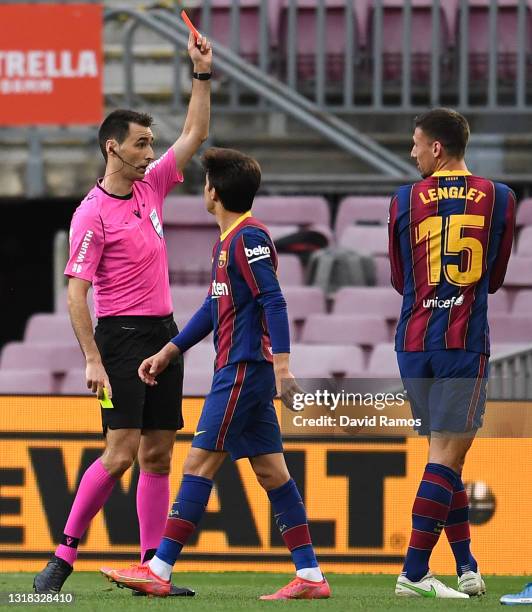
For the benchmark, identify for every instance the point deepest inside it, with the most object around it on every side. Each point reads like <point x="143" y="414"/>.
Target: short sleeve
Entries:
<point x="163" y="175"/>
<point x="86" y="243"/>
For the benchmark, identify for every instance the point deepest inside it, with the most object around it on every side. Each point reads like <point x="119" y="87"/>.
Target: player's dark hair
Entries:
<point x="116" y="125"/>
<point x="235" y="176"/>
<point x="448" y="127"/>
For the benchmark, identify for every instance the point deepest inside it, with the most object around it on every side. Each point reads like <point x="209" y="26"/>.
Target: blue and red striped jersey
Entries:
<point x="450" y="238"/>
<point x="245" y="306"/>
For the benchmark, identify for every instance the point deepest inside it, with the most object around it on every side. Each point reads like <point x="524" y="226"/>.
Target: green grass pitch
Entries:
<point x="232" y="591"/>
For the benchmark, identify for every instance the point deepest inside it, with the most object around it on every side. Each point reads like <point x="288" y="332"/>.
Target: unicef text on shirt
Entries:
<point x="439" y="303"/>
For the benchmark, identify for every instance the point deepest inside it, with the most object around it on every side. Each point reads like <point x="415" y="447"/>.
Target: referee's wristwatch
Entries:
<point x="202" y="76"/>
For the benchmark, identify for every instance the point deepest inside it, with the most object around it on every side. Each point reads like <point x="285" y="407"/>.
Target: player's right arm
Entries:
<point x="199" y="327"/>
<point x="394" y="248"/>
<point x="86" y="247"/>
<point x="80" y="318"/>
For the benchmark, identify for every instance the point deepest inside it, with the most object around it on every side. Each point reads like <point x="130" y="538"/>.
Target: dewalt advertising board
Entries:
<point x="358" y="493"/>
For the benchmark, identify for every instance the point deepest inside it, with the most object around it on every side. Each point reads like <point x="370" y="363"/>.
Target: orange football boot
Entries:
<point x="139" y="578"/>
<point x="299" y="588"/>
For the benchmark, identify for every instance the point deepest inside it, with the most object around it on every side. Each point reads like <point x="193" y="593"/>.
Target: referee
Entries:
<point x="117" y="246"/>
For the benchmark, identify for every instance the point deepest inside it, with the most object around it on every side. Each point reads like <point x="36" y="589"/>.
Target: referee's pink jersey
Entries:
<point x="117" y="244"/>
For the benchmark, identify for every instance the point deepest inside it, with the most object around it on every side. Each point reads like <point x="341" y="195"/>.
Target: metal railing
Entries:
<point x="366" y="73"/>
<point x="511" y="376"/>
<point x="319" y="87"/>
<point x="243" y="74"/>
<point x="280" y="98"/>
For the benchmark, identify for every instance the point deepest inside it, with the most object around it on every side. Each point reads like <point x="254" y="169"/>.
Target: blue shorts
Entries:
<point x="446" y="388"/>
<point x="238" y="415"/>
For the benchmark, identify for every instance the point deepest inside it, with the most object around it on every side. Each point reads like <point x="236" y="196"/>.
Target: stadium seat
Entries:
<point x="499" y="302"/>
<point x="522" y="302"/>
<point x="62" y="304"/>
<point x="383" y="362"/>
<point x="382" y="271"/>
<point x="364" y="240"/>
<point x="187" y="211"/>
<point x="52" y="356"/>
<point x="519" y="272"/>
<point x="421" y="43"/>
<point x="197" y="383"/>
<point x="74" y="383"/>
<point x="381" y="301"/>
<point x="187" y="299"/>
<point x="304" y="301"/>
<point x="479" y="41"/>
<point x="289" y="271"/>
<point x="524" y="243"/>
<point x="324" y="361"/>
<point x="341" y="329"/>
<point x="249" y="27"/>
<point x="190" y="254"/>
<point x="524" y="213"/>
<point x="190" y="234"/>
<point x="33" y="382"/>
<point x="200" y="357"/>
<point x="297" y="210"/>
<point x="386" y="302"/>
<point x="280" y="231"/>
<point x="182" y="319"/>
<point x="286" y="214"/>
<point x="370" y="210"/>
<point x="510" y="328"/>
<point x="46" y="327"/>
<point x="306" y="44"/>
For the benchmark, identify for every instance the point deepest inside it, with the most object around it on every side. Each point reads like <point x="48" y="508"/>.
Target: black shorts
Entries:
<point x="124" y="342"/>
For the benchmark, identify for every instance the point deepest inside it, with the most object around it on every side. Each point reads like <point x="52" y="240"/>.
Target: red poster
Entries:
<point x="50" y="64"/>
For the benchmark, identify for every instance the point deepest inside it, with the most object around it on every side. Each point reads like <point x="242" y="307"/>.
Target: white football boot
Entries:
<point x="428" y="586"/>
<point x="471" y="583"/>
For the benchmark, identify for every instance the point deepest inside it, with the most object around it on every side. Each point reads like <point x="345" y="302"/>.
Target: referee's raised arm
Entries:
<point x="117" y="245"/>
<point x="196" y="128"/>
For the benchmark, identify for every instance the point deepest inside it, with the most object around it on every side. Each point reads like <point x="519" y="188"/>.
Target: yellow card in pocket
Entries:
<point x="106" y="401"/>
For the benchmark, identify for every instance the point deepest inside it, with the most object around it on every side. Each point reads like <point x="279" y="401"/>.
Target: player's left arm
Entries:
<point x="394" y="248"/>
<point x="500" y="264"/>
<point x="253" y="255"/>
<point x="196" y="128"/>
<point x="199" y="327"/>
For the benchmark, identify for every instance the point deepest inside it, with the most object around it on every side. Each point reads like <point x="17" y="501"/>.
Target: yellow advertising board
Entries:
<point x="358" y="494"/>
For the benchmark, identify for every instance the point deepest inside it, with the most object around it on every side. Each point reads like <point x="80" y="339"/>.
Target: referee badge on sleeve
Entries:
<point x="156" y="223"/>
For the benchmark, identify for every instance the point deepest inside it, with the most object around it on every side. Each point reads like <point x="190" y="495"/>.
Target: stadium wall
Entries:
<point x="358" y="495"/>
<point x="26" y="251"/>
